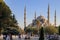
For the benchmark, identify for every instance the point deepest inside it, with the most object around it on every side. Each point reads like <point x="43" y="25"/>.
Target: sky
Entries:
<point x="40" y="6"/>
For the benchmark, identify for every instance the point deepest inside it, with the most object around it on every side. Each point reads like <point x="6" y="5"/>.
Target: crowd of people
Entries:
<point x="48" y="37"/>
<point x="52" y="37"/>
<point x="9" y="37"/>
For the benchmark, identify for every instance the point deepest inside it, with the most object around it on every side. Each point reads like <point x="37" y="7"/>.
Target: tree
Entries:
<point x="33" y="30"/>
<point x="59" y="30"/>
<point x="1" y="1"/>
<point x="0" y="15"/>
<point x="28" y="29"/>
<point x="38" y="24"/>
<point x="51" y="30"/>
<point x="7" y="20"/>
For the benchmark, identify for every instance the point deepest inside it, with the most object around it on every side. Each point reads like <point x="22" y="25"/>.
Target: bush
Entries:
<point x="51" y="30"/>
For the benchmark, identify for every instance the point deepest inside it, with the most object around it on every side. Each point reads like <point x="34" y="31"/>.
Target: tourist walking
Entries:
<point x="8" y="37"/>
<point x="19" y="37"/>
<point x="56" y="37"/>
<point x="4" y="37"/>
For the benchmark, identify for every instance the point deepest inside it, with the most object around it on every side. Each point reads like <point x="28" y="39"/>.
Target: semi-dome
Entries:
<point x="42" y="20"/>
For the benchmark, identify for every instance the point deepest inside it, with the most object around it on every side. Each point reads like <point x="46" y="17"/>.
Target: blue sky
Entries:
<point x="40" y="6"/>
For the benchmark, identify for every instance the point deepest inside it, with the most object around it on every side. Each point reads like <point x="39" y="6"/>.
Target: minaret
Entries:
<point x="25" y="17"/>
<point x="48" y="14"/>
<point x="55" y="19"/>
<point x="35" y="15"/>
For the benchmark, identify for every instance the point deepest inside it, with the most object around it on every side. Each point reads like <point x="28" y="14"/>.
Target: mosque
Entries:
<point x="42" y="20"/>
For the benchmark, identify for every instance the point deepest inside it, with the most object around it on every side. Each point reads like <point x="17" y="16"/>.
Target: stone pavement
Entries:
<point x="32" y="38"/>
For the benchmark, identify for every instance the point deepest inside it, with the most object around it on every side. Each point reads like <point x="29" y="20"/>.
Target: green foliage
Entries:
<point x="51" y="30"/>
<point x="1" y="1"/>
<point x="33" y="30"/>
<point x="11" y="31"/>
<point x="28" y="29"/>
<point x="41" y="34"/>
<point x="7" y="20"/>
<point x="38" y="23"/>
<point x="59" y="30"/>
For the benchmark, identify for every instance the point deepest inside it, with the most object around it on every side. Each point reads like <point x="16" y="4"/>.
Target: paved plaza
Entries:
<point x="31" y="38"/>
<point x="22" y="38"/>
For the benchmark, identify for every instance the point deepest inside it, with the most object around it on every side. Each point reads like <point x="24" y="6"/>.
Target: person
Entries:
<point x="8" y="37"/>
<point x="19" y="37"/>
<point x="49" y="37"/>
<point x="4" y="37"/>
<point x="55" y="37"/>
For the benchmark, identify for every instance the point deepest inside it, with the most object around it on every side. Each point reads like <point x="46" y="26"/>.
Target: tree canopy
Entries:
<point x="51" y="30"/>
<point x="8" y="21"/>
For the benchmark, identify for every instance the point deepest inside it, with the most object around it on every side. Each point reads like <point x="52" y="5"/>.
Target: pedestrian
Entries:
<point x="4" y="37"/>
<point x="56" y="37"/>
<point x="19" y="37"/>
<point x="49" y="37"/>
<point x="8" y="37"/>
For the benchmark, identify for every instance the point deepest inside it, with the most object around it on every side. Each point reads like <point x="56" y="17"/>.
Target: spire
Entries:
<point x="35" y="15"/>
<point x="48" y="14"/>
<point x="25" y="9"/>
<point x="25" y="16"/>
<point x="55" y="19"/>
